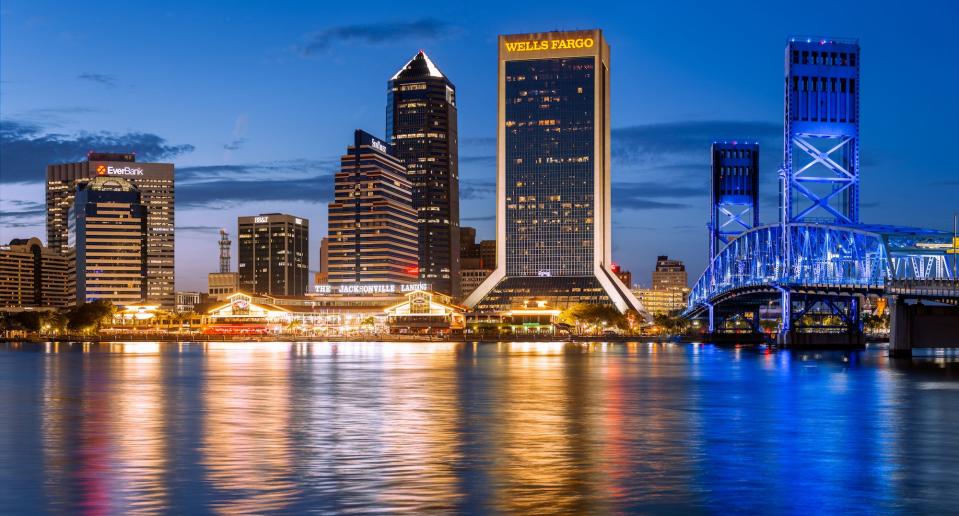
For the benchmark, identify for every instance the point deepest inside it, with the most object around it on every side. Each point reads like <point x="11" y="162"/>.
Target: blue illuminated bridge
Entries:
<point x="812" y="277"/>
<point x="804" y="281"/>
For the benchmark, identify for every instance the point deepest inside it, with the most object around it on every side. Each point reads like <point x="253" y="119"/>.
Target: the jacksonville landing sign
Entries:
<point x="371" y="288"/>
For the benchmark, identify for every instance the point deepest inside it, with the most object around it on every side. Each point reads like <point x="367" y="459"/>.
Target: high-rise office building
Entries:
<point x="154" y="181"/>
<point x="372" y="223"/>
<point x="669" y="292"/>
<point x="421" y="125"/>
<point x="469" y="250"/>
<point x="32" y="275"/>
<point x="273" y="254"/>
<point x="107" y="236"/>
<point x="553" y="175"/>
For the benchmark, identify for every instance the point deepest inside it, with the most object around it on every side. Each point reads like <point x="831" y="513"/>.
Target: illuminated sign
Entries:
<point x="107" y="170"/>
<point x="261" y="220"/>
<point x="378" y="145"/>
<point x="370" y="288"/>
<point x="298" y="221"/>
<point x="551" y="44"/>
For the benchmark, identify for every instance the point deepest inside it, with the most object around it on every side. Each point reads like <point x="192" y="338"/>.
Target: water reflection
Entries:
<point x="250" y="428"/>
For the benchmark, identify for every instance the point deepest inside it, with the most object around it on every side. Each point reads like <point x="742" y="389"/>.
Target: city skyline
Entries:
<point x="670" y="96"/>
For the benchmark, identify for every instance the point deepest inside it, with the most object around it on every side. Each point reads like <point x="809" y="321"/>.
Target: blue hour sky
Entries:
<point x="255" y="101"/>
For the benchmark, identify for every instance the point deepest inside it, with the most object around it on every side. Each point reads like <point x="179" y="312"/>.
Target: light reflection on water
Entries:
<point x="253" y="428"/>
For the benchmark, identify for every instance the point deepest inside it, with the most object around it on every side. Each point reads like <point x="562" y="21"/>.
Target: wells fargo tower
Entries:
<point x="421" y="126"/>
<point x="553" y="175"/>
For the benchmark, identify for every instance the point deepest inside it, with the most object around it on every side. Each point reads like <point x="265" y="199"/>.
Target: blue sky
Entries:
<point x="255" y="101"/>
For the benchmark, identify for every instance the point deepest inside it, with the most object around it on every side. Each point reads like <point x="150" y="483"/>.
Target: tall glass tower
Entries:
<point x="553" y="175"/>
<point x="421" y="126"/>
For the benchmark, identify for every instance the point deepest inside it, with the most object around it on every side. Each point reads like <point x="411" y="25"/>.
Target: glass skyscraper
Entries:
<point x="421" y="126"/>
<point x="553" y="176"/>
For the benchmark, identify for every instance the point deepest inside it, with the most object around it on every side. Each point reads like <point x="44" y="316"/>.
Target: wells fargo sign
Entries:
<point x="549" y="44"/>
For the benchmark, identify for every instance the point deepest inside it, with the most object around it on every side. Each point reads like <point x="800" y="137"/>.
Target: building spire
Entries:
<point x="419" y="66"/>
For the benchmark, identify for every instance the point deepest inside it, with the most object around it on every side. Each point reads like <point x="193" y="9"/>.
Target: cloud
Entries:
<point x="235" y="144"/>
<point x="317" y="188"/>
<point x="18" y="213"/>
<point x="471" y="189"/>
<point x="478" y="218"/>
<point x="26" y="149"/>
<point x="425" y="29"/>
<point x="110" y="81"/>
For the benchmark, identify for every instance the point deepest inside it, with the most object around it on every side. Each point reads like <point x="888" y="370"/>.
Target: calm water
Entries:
<point x="277" y="427"/>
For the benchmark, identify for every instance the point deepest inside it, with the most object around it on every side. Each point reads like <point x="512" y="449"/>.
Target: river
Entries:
<point x="253" y="428"/>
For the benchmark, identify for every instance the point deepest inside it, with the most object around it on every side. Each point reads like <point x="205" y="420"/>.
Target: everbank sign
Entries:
<point x="108" y="170"/>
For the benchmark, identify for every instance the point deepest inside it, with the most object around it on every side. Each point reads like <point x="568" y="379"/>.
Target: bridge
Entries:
<point x="811" y="272"/>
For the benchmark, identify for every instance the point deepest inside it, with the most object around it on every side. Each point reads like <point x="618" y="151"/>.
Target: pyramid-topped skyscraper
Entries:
<point x="421" y="126"/>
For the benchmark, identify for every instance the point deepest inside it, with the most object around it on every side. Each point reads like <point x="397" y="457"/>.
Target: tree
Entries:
<point x="592" y="316"/>
<point x="88" y="316"/>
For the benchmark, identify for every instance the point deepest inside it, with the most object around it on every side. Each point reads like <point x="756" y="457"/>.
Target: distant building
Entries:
<point x="661" y="301"/>
<point x="624" y="275"/>
<point x="421" y="126"/>
<point x="472" y="278"/>
<point x="669" y="274"/>
<point x="469" y="250"/>
<point x="153" y="181"/>
<point x="32" y="275"/>
<point x="488" y="254"/>
<point x="372" y="223"/>
<point x="669" y="292"/>
<point x="222" y="284"/>
<point x="108" y="239"/>
<point x="185" y="301"/>
<point x="553" y="218"/>
<point x="323" y="275"/>
<point x="273" y="254"/>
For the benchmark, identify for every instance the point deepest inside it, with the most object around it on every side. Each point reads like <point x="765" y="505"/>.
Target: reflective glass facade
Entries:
<point x="549" y="167"/>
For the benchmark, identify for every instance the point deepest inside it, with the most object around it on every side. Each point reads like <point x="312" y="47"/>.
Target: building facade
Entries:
<point x="669" y="274"/>
<point x="186" y="301"/>
<point x="274" y="254"/>
<point x="372" y="223"/>
<point x="32" y="275"/>
<point x="222" y="284"/>
<point x="154" y="182"/>
<point x="553" y="175"/>
<point x="421" y="125"/>
<point x="107" y="238"/>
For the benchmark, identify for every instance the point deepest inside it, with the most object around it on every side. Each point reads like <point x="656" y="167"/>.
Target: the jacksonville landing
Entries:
<point x="553" y="175"/>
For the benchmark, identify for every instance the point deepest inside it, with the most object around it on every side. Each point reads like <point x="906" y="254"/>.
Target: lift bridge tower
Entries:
<point x="734" y="192"/>
<point x="820" y="175"/>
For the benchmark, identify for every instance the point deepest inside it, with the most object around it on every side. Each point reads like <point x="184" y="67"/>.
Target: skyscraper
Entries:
<point x="372" y="224"/>
<point x="273" y="254"/>
<point x="107" y="236"/>
<point x="421" y="125"/>
<point x="154" y="181"/>
<point x="553" y="175"/>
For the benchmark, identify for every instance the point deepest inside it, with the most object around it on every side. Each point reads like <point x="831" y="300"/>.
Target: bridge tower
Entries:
<point x="734" y="192"/>
<point x="820" y="176"/>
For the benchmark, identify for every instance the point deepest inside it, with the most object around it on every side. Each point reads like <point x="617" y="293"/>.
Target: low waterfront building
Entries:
<point x="425" y="312"/>
<point x="533" y="317"/>
<point x="185" y="301"/>
<point x="328" y="310"/>
<point x="32" y="275"/>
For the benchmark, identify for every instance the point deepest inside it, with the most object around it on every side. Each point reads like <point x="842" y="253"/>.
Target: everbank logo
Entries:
<point x="106" y="170"/>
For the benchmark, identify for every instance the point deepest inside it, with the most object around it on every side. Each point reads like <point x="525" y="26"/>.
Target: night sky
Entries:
<point x="255" y="102"/>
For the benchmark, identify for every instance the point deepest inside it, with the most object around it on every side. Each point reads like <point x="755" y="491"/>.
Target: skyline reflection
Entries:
<point x="245" y="428"/>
